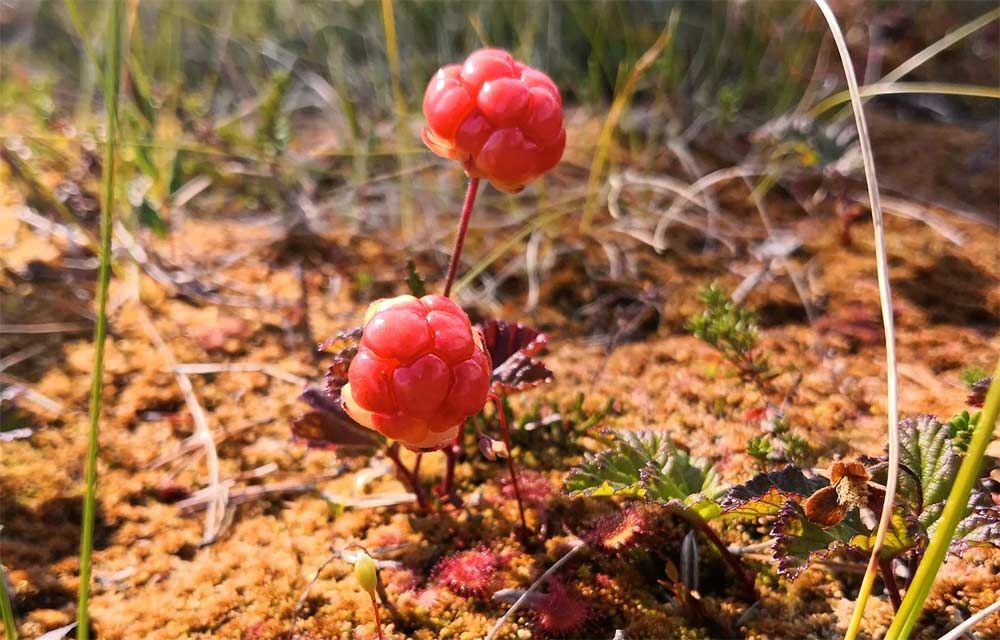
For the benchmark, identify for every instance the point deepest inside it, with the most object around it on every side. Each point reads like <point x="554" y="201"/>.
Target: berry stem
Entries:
<point x="447" y="487"/>
<point x="889" y="578"/>
<point x="463" y="227"/>
<point x="409" y="477"/>
<point x="510" y="459"/>
<point x="378" y="618"/>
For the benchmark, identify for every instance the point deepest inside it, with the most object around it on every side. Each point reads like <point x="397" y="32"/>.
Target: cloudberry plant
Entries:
<point x="419" y="372"/>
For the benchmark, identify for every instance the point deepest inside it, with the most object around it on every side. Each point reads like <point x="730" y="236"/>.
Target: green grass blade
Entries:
<point x="112" y="69"/>
<point x="6" y="609"/>
<point x="954" y="510"/>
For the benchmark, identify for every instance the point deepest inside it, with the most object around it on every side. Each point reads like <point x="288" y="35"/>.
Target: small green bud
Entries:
<point x="366" y="573"/>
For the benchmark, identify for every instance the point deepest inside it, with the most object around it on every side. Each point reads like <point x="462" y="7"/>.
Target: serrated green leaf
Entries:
<point x="903" y="534"/>
<point x="981" y="527"/>
<point x="766" y="493"/>
<point x="647" y="465"/>
<point x="926" y="449"/>
<point x="798" y="542"/>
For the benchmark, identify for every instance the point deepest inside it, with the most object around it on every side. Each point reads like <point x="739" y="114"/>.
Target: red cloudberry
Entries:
<point x="420" y="371"/>
<point x="501" y="118"/>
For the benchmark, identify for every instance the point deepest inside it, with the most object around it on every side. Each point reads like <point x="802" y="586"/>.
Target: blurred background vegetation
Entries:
<point x="236" y="107"/>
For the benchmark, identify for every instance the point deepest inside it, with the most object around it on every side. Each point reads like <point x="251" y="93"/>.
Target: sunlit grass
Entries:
<point x="6" y="609"/>
<point x="112" y="71"/>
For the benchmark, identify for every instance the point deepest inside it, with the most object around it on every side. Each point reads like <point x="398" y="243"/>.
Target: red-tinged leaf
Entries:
<point x="511" y="346"/>
<point x="171" y="493"/>
<point x="977" y="394"/>
<point x="329" y="426"/>
<point x="766" y="493"/>
<point x="503" y="339"/>
<point x="981" y="528"/>
<point x="345" y="337"/>
<point x="336" y="373"/>
<point x="855" y="321"/>
<point x="519" y="373"/>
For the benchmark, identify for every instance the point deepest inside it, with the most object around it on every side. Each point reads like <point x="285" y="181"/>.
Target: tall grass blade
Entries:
<point x="885" y="301"/>
<point x="618" y="106"/>
<point x="954" y="511"/>
<point x="399" y="107"/>
<point x="6" y="608"/>
<point x="112" y="71"/>
<point x="895" y="88"/>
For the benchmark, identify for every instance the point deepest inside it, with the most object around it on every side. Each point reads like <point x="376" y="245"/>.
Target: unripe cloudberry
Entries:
<point x="499" y="117"/>
<point x="420" y="371"/>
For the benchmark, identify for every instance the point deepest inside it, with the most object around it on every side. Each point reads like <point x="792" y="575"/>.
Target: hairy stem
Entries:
<point x="510" y="459"/>
<point x="112" y="68"/>
<point x="451" y="453"/>
<point x="463" y="227"/>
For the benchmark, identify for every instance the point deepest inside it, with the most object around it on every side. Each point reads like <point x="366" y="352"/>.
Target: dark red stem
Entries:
<point x="889" y="578"/>
<point x="409" y="477"/>
<point x="463" y="227"/>
<point x="510" y="459"/>
<point x="378" y="618"/>
<point x="447" y="487"/>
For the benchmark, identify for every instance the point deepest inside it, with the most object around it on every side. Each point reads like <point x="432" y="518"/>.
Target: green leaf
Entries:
<point x="799" y="542"/>
<point x="766" y="493"/>
<point x="414" y="281"/>
<point x="981" y="528"/>
<point x="645" y="464"/>
<point x="926" y="449"/>
<point x="151" y="219"/>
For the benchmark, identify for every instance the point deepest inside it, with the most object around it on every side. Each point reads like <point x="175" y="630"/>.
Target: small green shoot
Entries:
<point x="731" y="329"/>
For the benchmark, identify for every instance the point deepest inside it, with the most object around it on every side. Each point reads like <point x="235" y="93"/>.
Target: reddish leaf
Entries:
<point x="511" y="346"/>
<point x="328" y="425"/>
<point x="519" y="373"/>
<point x="977" y="395"/>
<point x="503" y="339"/>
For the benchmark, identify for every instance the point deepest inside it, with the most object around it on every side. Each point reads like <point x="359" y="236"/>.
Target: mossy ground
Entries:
<point x="153" y="579"/>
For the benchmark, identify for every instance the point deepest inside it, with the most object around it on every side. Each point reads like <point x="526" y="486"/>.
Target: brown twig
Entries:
<point x="216" y="510"/>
